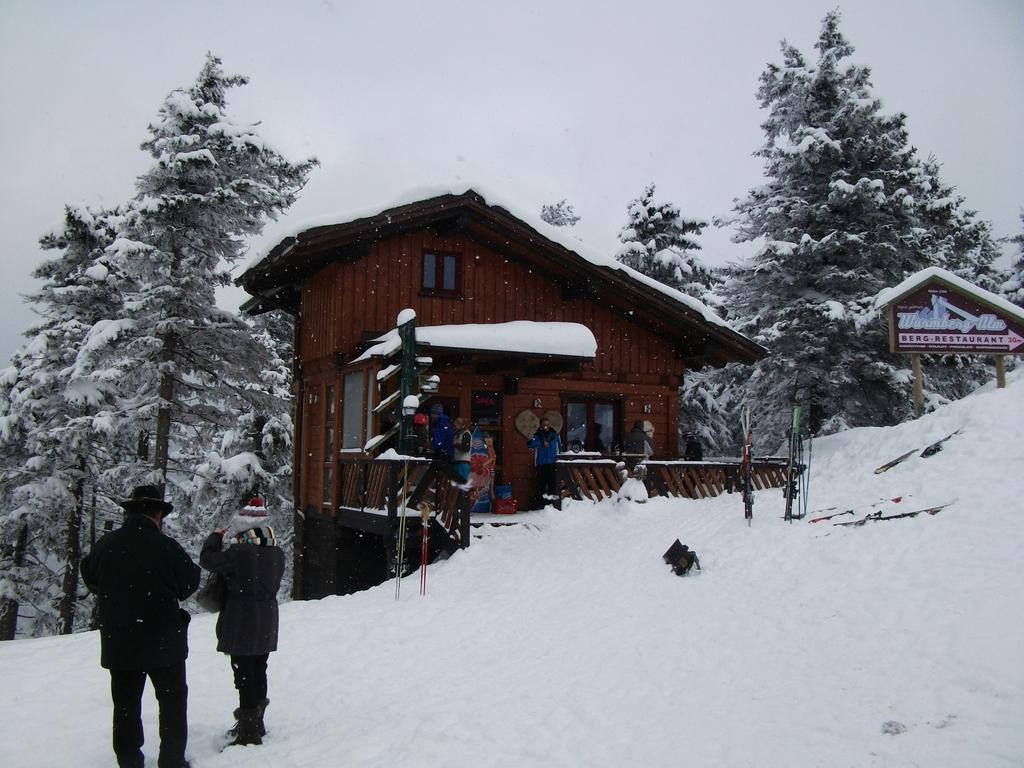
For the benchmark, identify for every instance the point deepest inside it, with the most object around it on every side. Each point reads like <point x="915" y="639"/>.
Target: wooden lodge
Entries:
<point x="516" y="320"/>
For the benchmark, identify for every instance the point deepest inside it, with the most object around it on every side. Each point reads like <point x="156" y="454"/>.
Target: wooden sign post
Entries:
<point x="935" y="311"/>
<point x="915" y="362"/>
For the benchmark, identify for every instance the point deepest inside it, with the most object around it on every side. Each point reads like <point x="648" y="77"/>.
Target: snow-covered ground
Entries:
<point x="568" y="642"/>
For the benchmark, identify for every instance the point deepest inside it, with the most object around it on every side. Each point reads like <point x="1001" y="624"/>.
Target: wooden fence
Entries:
<point x="597" y="479"/>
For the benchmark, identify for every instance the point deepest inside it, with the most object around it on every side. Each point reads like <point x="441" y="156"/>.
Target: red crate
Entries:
<point x="505" y="506"/>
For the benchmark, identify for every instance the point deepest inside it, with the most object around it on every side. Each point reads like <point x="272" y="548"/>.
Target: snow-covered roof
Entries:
<point x="516" y="337"/>
<point x="559" y="235"/>
<point x="705" y="338"/>
<point x="916" y="280"/>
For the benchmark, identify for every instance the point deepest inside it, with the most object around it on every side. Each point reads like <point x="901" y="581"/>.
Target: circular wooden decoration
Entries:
<point x="527" y="423"/>
<point x="555" y="418"/>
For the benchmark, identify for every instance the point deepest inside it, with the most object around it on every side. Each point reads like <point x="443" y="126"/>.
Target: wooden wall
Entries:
<point x="345" y="301"/>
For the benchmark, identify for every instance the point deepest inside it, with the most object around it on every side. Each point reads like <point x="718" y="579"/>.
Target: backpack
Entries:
<point x="681" y="558"/>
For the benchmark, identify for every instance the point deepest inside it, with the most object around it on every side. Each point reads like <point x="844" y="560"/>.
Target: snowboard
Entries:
<point x="481" y="472"/>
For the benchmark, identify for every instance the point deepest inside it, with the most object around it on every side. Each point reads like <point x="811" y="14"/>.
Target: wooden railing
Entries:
<point x="373" y="491"/>
<point x="595" y="479"/>
<point x="592" y="479"/>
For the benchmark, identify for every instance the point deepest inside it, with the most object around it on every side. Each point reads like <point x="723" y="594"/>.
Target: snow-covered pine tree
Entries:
<point x="254" y="456"/>
<point x="560" y="214"/>
<point x="54" y="424"/>
<point x="1013" y="281"/>
<point x="709" y="402"/>
<point x="847" y="210"/>
<point x="656" y="240"/>
<point x="188" y="366"/>
<point x="958" y="239"/>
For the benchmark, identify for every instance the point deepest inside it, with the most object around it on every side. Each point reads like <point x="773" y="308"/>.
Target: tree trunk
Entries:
<point x="8" y="606"/>
<point x="163" y="417"/>
<point x="72" y="556"/>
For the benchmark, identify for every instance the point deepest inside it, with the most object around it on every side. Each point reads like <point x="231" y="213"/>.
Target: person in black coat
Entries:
<point x="693" y="450"/>
<point x="138" y="576"/>
<point x="638" y="442"/>
<point x="247" y="626"/>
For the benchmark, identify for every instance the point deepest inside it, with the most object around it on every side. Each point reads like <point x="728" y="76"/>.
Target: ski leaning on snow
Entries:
<point x="792" y="475"/>
<point x="935" y="447"/>
<point x="823" y="518"/>
<point x="878" y="516"/>
<point x="899" y="459"/>
<point x="746" y="470"/>
<point x="930" y="450"/>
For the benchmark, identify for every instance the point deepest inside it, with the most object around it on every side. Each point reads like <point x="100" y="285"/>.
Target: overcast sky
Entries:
<point x="536" y="101"/>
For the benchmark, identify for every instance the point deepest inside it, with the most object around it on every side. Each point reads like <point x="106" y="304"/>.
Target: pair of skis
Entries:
<point x="927" y="451"/>
<point x="746" y="469"/>
<point x="823" y="518"/>
<point x="798" y="475"/>
<point x="878" y="516"/>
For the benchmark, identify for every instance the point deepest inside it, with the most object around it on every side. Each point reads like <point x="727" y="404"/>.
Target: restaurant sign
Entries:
<point x="937" y="317"/>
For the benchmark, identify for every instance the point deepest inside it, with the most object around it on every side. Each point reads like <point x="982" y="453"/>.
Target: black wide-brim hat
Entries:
<point x="147" y="498"/>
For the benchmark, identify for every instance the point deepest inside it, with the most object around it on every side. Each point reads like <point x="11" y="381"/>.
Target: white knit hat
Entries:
<point x="252" y="515"/>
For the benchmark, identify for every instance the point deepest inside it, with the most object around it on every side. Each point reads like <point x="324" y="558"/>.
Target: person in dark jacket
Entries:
<point x="138" y="576"/>
<point x="247" y="626"/>
<point x="693" y="450"/>
<point x="638" y="442"/>
<point x="546" y="445"/>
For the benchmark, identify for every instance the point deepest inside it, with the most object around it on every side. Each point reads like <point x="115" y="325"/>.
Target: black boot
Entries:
<point x="263" y="708"/>
<point x="233" y="730"/>
<point x="248" y="727"/>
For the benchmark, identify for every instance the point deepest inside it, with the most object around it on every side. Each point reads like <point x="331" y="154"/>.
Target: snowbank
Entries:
<point x="566" y="641"/>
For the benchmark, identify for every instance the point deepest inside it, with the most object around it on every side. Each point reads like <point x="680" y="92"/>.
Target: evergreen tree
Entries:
<point x="709" y="407"/>
<point x="54" y="424"/>
<point x="253" y="457"/>
<point x="1013" y="281"/>
<point x="132" y="350"/>
<point x="657" y="242"/>
<point x="847" y="210"/>
<point x="187" y="366"/>
<point x="561" y="214"/>
<point x="957" y="239"/>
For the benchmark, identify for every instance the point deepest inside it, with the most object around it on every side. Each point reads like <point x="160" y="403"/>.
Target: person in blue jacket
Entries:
<point x="442" y="437"/>
<point x="546" y="445"/>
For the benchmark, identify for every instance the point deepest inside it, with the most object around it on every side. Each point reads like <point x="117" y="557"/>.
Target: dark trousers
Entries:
<point x="250" y="679"/>
<point x="547" y="484"/>
<point x="171" y="691"/>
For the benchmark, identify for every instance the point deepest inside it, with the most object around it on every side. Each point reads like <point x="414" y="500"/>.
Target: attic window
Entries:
<point x="442" y="273"/>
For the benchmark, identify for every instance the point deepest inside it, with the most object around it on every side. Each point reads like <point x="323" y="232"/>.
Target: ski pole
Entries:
<point x="425" y="518"/>
<point x="807" y="481"/>
<point x="400" y="550"/>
